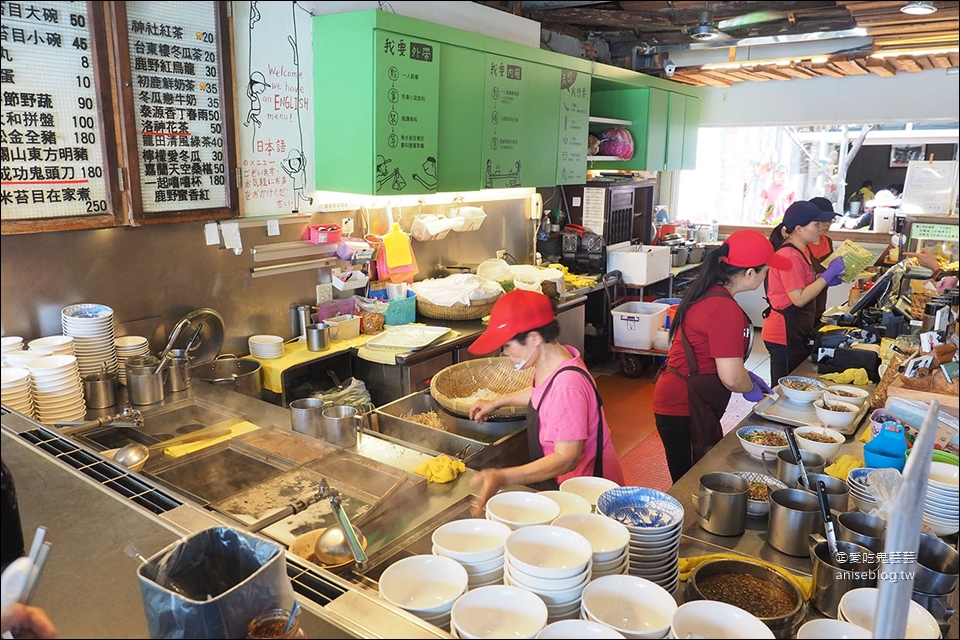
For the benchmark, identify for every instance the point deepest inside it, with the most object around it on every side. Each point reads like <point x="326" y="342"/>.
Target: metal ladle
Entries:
<point x="134" y="453"/>
<point x="334" y="547"/>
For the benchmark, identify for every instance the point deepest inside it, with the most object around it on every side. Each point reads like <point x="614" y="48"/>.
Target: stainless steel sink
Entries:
<point x="186" y="416"/>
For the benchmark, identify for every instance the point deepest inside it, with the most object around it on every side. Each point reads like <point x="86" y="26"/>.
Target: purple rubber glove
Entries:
<point x="760" y="388"/>
<point x="834" y="272"/>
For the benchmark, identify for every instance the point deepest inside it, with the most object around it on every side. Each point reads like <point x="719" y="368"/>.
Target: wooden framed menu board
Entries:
<point x="59" y="148"/>
<point x="176" y="89"/>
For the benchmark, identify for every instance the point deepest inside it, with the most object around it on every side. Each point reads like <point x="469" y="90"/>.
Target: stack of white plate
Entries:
<point x="859" y="482"/>
<point x="552" y="562"/>
<point x="57" y="389"/>
<point x="9" y="344"/>
<point x="91" y="326"/>
<point x="654" y="520"/>
<point x="426" y="586"/>
<point x="941" y="507"/>
<point x="129" y="347"/>
<point x="608" y="538"/>
<point x="475" y="543"/>
<point x="17" y="390"/>
<point x="265" y="347"/>
<point x="53" y="345"/>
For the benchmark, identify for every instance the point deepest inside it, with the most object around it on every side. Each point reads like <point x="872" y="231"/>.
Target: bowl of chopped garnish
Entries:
<point x="820" y="440"/>
<point x="760" y="486"/>
<point x="757" y="439"/>
<point x="800" y="389"/>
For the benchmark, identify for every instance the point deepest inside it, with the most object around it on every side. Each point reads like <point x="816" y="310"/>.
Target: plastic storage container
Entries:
<point x="636" y="323"/>
<point x="640" y="265"/>
<point x="473" y="217"/>
<point x="399" y="311"/>
<point x="349" y="326"/>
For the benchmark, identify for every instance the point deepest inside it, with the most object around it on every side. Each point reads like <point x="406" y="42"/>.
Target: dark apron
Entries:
<point x="533" y="431"/>
<point x="707" y="396"/>
<point x="819" y="268"/>
<point x="800" y="323"/>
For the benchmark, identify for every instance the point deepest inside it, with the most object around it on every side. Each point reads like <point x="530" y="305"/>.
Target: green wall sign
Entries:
<point x="503" y="110"/>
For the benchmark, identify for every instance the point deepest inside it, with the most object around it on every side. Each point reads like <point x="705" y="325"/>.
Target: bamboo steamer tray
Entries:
<point x="459" y="311"/>
<point x="453" y="387"/>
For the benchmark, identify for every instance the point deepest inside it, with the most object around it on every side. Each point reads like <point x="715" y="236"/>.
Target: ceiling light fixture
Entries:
<point x="705" y="29"/>
<point x="919" y="8"/>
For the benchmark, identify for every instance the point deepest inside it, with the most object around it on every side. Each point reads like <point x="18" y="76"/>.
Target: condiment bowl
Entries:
<point x="518" y="509"/>
<point x="424" y="584"/>
<point x="838" y="419"/>
<point x="760" y="507"/>
<point x="853" y="395"/>
<point x="756" y="450"/>
<point x="633" y="606"/>
<point x="826" y="449"/>
<point x="803" y="397"/>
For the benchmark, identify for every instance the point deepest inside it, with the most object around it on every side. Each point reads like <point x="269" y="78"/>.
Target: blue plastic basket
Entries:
<point x="401" y="311"/>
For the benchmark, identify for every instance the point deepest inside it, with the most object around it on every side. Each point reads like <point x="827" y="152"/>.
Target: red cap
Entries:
<point x="516" y="312"/>
<point x="749" y="248"/>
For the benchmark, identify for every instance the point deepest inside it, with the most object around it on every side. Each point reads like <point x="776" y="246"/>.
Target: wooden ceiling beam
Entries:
<point x="924" y="61"/>
<point x="795" y="71"/>
<point x="743" y="74"/>
<point x="954" y="58"/>
<point x="828" y="69"/>
<point x="941" y="61"/>
<point x="769" y="71"/>
<point x="850" y="67"/>
<point x="710" y="80"/>
<point x="720" y="76"/>
<point x="881" y="67"/>
<point x="909" y="64"/>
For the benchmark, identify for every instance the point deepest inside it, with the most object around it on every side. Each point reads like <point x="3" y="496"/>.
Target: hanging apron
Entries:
<point x="800" y="323"/>
<point x="533" y="431"/>
<point x="707" y="396"/>
<point x="818" y="268"/>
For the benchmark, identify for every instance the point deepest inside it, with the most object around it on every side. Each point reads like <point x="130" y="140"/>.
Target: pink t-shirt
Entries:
<point x="779" y="282"/>
<point x="570" y="412"/>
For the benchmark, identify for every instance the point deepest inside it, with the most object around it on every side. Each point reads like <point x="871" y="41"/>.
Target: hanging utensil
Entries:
<point x="827" y="518"/>
<point x="196" y="334"/>
<point x="795" y="450"/>
<point x="333" y="546"/>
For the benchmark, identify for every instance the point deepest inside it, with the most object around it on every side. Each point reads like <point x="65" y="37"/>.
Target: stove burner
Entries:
<point x="190" y="428"/>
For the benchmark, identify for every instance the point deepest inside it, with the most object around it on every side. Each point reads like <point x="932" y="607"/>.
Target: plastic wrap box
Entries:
<point x="636" y="323"/>
<point x="640" y="264"/>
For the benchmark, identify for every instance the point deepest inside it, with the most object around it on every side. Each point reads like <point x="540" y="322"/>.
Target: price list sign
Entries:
<point x="52" y="157"/>
<point x="574" y="122"/>
<point x="503" y="122"/>
<point x="177" y="97"/>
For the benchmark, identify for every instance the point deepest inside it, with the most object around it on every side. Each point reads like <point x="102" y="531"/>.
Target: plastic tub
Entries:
<point x="635" y="323"/>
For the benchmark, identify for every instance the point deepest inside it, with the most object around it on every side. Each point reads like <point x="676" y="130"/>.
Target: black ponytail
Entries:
<point x="778" y="236"/>
<point x="715" y="271"/>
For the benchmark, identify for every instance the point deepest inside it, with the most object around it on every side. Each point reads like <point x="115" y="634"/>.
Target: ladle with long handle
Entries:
<point x="795" y="450"/>
<point x="827" y="518"/>
<point x="132" y="454"/>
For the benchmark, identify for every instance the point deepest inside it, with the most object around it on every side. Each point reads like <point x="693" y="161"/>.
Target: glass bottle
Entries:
<point x="272" y="623"/>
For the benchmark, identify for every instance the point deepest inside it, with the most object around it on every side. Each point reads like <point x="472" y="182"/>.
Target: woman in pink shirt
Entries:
<point x="566" y="426"/>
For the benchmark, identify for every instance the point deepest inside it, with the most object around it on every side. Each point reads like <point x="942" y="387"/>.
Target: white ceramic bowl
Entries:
<point x="838" y="419"/>
<point x="944" y="476"/>
<point x="859" y="607"/>
<point x="796" y="395"/>
<point x="756" y="450"/>
<point x="826" y="449"/>
<point x="712" y="619"/>
<point x="577" y="629"/>
<point x="858" y="396"/>
<point x="828" y="629"/>
<point x="536" y="583"/>
<point x="11" y="343"/>
<point x="633" y="606"/>
<point x="545" y="551"/>
<point x="518" y="509"/>
<point x="471" y="541"/>
<point x="608" y="538"/>
<point x="498" y="612"/>
<point x="554" y="598"/>
<point x="424" y="584"/>
<point x="588" y="487"/>
<point x="760" y="507"/>
<point x="477" y="568"/>
<point x="569" y="502"/>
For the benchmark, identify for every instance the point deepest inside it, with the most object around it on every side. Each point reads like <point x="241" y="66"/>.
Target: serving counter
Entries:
<point x="729" y="456"/>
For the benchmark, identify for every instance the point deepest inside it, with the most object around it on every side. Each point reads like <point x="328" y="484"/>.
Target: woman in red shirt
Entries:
<point x="710" y="335"/>
<point x="793" y="292"/>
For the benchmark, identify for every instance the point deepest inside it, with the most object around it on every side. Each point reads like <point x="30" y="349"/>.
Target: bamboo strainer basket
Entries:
<point x="474" y="311"/>
<point x="455" y="387"/>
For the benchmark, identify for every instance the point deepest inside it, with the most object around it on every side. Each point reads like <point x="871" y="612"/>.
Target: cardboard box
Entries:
<point x="640" y="264"/>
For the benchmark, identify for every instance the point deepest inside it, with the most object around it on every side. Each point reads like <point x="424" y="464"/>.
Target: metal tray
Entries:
<point x="780" y="409"/>
<point x="410" y="337"/>
<point x="291" y="445"/>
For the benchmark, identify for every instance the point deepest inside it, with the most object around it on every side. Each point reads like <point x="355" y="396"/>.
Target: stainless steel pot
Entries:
<point x="238" y="374"/>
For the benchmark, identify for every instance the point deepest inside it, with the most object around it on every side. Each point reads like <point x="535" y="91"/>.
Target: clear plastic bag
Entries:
<point x="353" y="394"/>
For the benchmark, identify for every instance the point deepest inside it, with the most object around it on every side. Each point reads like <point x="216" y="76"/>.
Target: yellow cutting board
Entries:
<point x="396" y="245"/>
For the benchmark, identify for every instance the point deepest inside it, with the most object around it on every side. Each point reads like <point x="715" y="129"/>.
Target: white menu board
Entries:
<point x="594" y="206"/>
<point x="273" y="47"/>
<point x="930" y="187"/>
<point x="51" y="155"/>
<point x="177" y="96"/>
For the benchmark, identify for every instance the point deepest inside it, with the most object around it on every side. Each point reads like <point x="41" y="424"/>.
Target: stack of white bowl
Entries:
<point x="8" y="344"/>
<point x="655" y="521"/>
<point x="265" y="347"/>
<point x="569" y="502"/>
<point x="714" y="619"/>
<point x="17" y="390"/>
<point x="859" y="606"/>
<point x="567" y="629"/>
<point x="129" y="347"/>
<point x="498" y="611"/>
<point x="859" y="482"/>
<point x="57" y="389"/>
<point x="426" y="586"/>
<point x="91" y="326"/>
<point x="53" y="346"/>
<point x="22" y="358"/>
<point x="518" y="509"/>
<point x="588" y="487"/>
<point x="552" y="562"/>
<point x="634" y="607"/>
<point x="609" y="539"/>
<point x="941" y="507"/>
<point x="475" y="543"/>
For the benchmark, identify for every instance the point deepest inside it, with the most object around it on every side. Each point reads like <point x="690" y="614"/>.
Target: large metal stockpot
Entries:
<point x="238" y="374"/>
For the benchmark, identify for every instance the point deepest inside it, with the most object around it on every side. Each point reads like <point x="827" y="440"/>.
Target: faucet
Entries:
<point x="127" y="417"/>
